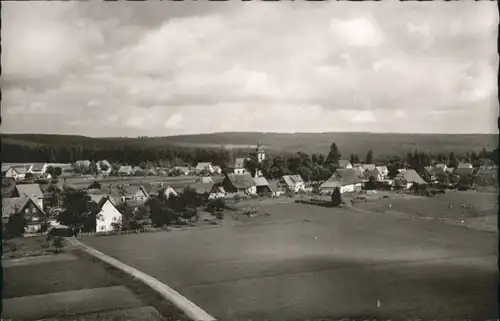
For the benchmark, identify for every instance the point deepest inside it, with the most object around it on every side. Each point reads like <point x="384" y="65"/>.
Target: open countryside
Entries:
<point x="293" y="236"/>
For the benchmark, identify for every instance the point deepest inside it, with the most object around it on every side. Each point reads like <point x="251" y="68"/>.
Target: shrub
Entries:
<point x="58" y="243"/>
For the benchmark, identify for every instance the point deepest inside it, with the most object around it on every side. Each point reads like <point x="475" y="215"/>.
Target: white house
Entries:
<point x="16" y="172"/>
<point x="108" y="217"/>
<point x="38" y="169"/>
<point x="204" y="166"/>
<point x="407" y="179"/>
<point x="170" y="191"/>
<point x="239" y="166"/>
<point x="347" y="180"/>
<point x="294" y="183"/>
<point x="383" y="170"/>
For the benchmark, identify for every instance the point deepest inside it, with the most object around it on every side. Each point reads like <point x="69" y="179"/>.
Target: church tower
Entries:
<point x="261" y="155"/>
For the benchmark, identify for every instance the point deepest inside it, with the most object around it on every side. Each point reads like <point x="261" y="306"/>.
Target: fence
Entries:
<point x="125" y="232"/>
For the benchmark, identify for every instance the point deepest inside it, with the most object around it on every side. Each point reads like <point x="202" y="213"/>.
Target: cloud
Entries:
<point x="161" y="68"/>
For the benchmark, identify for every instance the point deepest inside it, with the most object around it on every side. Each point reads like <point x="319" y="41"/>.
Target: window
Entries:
<point x="114" y="218"/>
<point x="103" y="228"/>
<point x="101" y="219"/>
<point x="27" y="210"/>
<point x="34" y="210"/>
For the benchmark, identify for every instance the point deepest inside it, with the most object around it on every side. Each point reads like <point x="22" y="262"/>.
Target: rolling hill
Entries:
<point x="347" y="142"/>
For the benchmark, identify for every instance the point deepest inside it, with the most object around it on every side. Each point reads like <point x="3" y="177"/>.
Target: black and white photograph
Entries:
<point x="249" y="160"/>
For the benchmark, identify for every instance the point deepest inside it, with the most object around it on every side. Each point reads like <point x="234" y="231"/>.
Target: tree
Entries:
<point x="393" y="172"/>
<point x="371" y="184"/>
<point x="352" y="159"/>
<point x="333" y="156"/>
<point x="57" y="171"/>
<point x="216" y="207"/>
<point x="453" y="160"/>
<point x="336" y="197"/>
<point x="251" y="165"/>
<point x="369" y="157"/>
<point x="129" y="218"/>
<point x="77" y="210"/>
<point x="15" y="226"/>
<point x="49" y="170"/>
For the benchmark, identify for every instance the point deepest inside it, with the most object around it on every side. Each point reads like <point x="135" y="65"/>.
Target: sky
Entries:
<point x="171" y="68"/>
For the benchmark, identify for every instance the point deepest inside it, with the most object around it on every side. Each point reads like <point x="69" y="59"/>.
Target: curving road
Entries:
<point x="312" y="262"/>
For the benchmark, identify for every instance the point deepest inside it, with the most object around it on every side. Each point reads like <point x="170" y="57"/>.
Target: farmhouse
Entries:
<point x="243" y="183"/>
<point x="344" y="163"/>
<point x="209" y="190"/>
<point x="217" y="170"/>
<point x="383" y="170"/>
<point x="30" y="190"/>
<point x="262" y="185"/>
<point x="407" y="179"/>
<point x="25" y="206"/>
<point x="204" y="166"/>
<point x="37" y="169"/>
<point x="368" y="167"/>
<point x="293" y="183"/>
<point x="109" y="217"/>
<point x="376" y="174"/>
<point x="134" y="193"/>
<point x="348" y="180"/>
<point x="16" y="172"/>
<point x="125" y="170"/>
<point x="464" y="171"/>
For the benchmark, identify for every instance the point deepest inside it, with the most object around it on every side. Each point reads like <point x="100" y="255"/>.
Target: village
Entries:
<point x="35" y="192"/>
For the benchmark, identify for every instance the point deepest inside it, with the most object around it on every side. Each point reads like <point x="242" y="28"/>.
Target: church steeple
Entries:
<point x="261" y="155"/>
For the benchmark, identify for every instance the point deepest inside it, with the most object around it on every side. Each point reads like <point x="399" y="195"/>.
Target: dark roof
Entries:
<point x="463" y="171"/>
<point x="350" y="176"/>
<point x="241" y="181"/>
<point x="202" y="188"/>
<point x="13" y="205"/>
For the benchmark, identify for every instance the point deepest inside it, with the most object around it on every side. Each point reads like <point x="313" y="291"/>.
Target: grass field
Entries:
<point x="304" y="261"/>
<point x="464" y="205"/>
<point x="26" y="246"/>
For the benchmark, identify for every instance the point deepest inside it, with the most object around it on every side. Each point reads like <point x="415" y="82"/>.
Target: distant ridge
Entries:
<point x="347" y="142"/>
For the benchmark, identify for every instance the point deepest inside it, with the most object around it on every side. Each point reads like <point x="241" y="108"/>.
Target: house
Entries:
<point x="465" y="165"/>
<point x="376" y="174"/>
<point x="344" y="163"/>
<point x="125" y="170"/>
<point x="239" y="166"/>
<point x="38" y="169"/>
<point x="204" y="166"/>
<point x="18" y="173"/>
<point x="133" y="193"/>
<point x="30" y="190"/>
<point x="383" y="170"/>
<point x="407" y="179"/>
<point x="170" y="191"/>
<point x="209" y="190"/>
<point x="464" y="171"/>
<point x="183" y="170"/>
<point x="368" y="167"/>
<point x="242" y="183"/>
<point x="347" y="180"/>
<point x="25" y="206"/>
<point x="430" y="172"/>
<point x="262" y="186"/>
<point x="217" y="170"/>
<point x="109" y="217"/>
<point x="294" y="183"/>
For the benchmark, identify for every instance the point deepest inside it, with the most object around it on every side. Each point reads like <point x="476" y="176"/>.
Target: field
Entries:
<point x="303" y="261"/>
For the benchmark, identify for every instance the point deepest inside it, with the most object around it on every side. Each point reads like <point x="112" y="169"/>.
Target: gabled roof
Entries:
<point x="13" y="205"/>
<point x="37" y="167"/>
<point x="125" y="169"/>
<point x="344" y="163"/>
<point x="463" y="171"/>
<point x="202" y="188"/>
<point x="349" y="176"/>
<point x="292" y="180"/>
<point x="261" y="181"/>
<point x="31" y="190"/>
<point x="411" y="176"/>
<point x="241" y="180"/>
<point x="382" y="169"/>
<point x="465" y="165"/>
<point x="369" y="167"/>
<point x="132" y="190"/>
<point x="20" y="169"/>
<point x="203" y="165"/>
